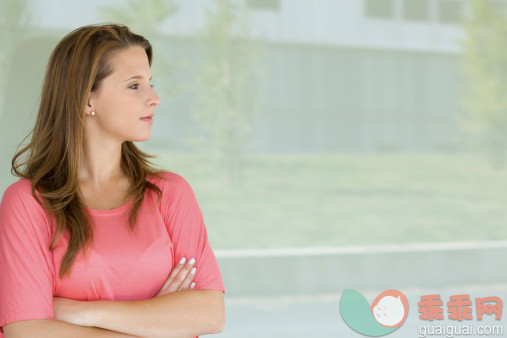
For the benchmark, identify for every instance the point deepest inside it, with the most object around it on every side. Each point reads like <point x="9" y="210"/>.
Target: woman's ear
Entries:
<point x="90" y="109"/>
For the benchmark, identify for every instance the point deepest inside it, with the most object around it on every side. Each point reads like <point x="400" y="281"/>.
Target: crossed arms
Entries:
<point x="182" y="314"/>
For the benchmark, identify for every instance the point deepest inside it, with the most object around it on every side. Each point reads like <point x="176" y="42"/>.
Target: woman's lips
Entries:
<point x="147" y="119"/>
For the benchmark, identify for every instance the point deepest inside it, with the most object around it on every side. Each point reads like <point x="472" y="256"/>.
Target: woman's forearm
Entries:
<point x="182" y="314"/>
<point x="53" y="328"/>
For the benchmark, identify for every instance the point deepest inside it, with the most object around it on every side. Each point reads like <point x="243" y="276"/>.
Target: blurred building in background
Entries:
<point x="335" y="75"/>
<point x="354" y="76"/>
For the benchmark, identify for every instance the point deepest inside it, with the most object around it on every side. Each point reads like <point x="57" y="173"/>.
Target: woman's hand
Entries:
<point x="70" y="311"/>
<point x="179" y="278"/>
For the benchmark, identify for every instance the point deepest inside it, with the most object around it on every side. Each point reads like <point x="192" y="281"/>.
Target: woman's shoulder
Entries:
<point x="18" y="200"/>
<point x="168" y="180"/>
<point x="20" y="191"/>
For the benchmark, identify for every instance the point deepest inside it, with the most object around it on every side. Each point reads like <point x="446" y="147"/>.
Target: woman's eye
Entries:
<point x="137" y="84"/>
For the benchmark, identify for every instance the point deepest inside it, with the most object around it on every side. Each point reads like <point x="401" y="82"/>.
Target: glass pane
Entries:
<point x="264" y="4"/>
<point x="451" y="10"/>
<point x="501" y="6"/>
<point x="380" y="8"/>
<point x="416" y="9"/>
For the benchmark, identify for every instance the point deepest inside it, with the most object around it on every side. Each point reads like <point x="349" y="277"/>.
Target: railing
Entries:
<point x="297" y="271"/>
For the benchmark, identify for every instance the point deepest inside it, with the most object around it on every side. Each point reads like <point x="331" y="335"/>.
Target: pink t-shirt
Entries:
<point x="120" y="266"/>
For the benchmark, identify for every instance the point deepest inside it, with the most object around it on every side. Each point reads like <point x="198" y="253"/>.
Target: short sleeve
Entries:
<point x="185" y="224"/>
<point x="26" y="278"/>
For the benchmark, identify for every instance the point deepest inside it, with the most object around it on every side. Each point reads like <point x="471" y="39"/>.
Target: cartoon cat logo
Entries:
<point x="390" y="308"/>
<point x="386" y="314"/>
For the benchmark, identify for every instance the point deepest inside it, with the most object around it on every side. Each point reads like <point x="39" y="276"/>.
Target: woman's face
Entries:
<point x="121" y="101"/>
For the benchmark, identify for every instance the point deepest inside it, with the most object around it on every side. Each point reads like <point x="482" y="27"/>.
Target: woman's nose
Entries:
<point x="155" y="101"/>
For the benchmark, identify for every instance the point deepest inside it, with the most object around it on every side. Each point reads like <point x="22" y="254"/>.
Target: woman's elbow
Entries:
<point x="219" y="327"/>
<point x="218" y="312"/>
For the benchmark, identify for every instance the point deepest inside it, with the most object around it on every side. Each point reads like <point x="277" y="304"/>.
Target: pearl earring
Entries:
<point x="93" y="113"/>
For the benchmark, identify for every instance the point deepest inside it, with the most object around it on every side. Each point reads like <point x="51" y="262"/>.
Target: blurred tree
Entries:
<point x="144" y="17"/>
<point x="19" y="84"/>
<point x="14" y="25"/>
<point x="224" y="85"/>
<point x="485" y="67"/>
<point x="141" y="17"/>
<point x="24" y="72"/>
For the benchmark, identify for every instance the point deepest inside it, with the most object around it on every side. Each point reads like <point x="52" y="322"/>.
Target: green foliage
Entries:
<point x="485" y="67"/>
<point x="14" y="25"/>
<point x="141" y="17"/>
<point x="224" y="86"/>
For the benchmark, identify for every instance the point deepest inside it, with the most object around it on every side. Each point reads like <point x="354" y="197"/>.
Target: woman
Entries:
<point x="93" y="240"/>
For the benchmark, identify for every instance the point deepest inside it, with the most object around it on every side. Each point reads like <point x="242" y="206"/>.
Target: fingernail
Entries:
<point x="182" y="260"/>
<point x="193" y="270"/>
<point x="192" y="285"/>
<point x="191" y="261"/>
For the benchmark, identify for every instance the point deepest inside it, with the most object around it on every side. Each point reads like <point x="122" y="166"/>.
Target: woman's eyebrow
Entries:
<point x="136" y="77"/>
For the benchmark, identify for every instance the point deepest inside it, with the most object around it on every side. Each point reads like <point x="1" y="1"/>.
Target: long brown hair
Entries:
<point x="77" y="67"/>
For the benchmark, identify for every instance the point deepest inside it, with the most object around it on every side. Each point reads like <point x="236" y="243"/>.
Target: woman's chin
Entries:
<point x="141" y="138"/>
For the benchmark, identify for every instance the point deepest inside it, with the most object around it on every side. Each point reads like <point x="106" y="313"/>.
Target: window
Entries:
<point x="379" y="9"/>
<point x="416" y="10"/>
<point x="264" y="4"/>
<point x="500" y="6"/>
<point x="451" y="11"/>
